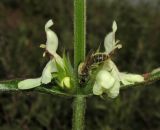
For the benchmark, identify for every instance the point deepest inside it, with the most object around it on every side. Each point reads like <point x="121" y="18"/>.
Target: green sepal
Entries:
<point x="60" y="72"/>
<point x="68" y="66"/>
<point x="65" y="71"/>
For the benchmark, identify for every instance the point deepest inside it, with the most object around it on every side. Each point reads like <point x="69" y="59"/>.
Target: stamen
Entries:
<point x="42" y="46"/>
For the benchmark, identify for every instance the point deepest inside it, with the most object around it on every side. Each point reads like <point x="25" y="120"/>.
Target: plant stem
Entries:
<point x="79" y="107"/>
<point x="79" y="103"/>
<point x="79" y="33"/>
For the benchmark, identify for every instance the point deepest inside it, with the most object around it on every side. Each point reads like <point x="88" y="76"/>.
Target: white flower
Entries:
<point x="104" y="81"/>
<point x="110" y="66"/>
<point x="109" y="79"/>
<point x="51" y="47"/>
<point x="109" y="42"/>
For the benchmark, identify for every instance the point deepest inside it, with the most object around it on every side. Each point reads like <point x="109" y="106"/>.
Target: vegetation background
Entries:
<point x="21" y="33"/>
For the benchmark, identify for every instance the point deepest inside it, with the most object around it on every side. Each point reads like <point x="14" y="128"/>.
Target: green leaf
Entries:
<point x="9" y="85"/>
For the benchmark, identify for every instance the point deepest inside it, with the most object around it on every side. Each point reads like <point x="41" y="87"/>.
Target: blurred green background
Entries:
<point x="21" y="33"/>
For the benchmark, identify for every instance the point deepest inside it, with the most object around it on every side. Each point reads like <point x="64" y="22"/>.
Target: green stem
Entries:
<point x="79" y="106"/>
<point x="79" y="102"/>
<point x="79" y="33"/>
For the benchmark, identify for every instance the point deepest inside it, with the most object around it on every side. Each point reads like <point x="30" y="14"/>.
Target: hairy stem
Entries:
<point x="79" y="103"/>
<point x="79" y="106"/>
<point x="79" y="33"/>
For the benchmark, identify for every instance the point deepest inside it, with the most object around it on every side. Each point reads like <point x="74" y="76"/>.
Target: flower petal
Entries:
<point x="112" y="68"/>
<point x="52" y="39"/>
<point x="47" y="71"/>
<point x="97" y="90"/>
<point x="114" y="26"/>
<point x="114" y="91"/>
<point x="104" y="79"/>
<point x="131" y="78"/>
<point x="59" y="60"/>
<point x="29" y="83"/>
<point x="110" y="43"/>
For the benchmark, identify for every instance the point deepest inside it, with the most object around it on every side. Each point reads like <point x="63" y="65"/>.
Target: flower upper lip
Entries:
<point x="52" y="39"/>
<point x="110" y="43"/>
<point x="51" y="48"/>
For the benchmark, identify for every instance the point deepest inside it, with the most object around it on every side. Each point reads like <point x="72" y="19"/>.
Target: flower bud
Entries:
<point x="66" y="82"/>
